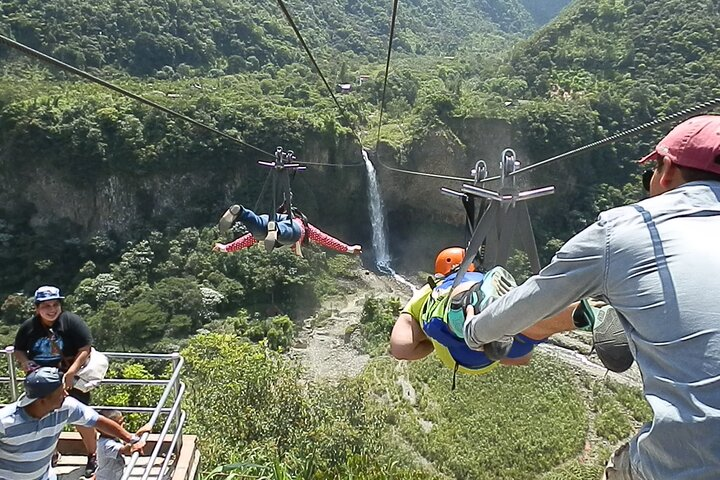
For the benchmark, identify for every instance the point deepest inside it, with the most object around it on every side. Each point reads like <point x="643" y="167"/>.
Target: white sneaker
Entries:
<point x="497" y="282"/>
<point x="271" y="237"/>
<point x="228" y="218"/>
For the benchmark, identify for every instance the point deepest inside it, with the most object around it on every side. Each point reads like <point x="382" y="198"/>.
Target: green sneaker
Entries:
<point x="610" y="341"/>
<point x="497" y="282"/>
<point x="584" y="315"/>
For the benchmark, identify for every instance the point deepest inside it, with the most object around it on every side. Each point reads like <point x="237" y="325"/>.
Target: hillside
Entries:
<point x="599" y="68"/>
<point x="659" y="55"/>
<point x="567" y="85"/>
<point x="142" y="36"/>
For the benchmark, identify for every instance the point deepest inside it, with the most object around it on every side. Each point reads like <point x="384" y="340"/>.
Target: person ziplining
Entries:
<point x="284" y="229"/>
<point x="432" y="321"/>
<point x="287" y="226"/>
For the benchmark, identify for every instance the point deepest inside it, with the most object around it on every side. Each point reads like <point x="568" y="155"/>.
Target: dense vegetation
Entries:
<point x="258" y="417"/>
<point x="164" y="289"/>
<point x="142" y="37"/>
<point x="602" y="66"/>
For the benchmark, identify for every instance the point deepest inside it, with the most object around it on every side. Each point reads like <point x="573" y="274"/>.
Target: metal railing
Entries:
<point x="174" y="416"/>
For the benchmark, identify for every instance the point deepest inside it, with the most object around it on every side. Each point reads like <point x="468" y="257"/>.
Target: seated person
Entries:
<point x="282" y="229"/>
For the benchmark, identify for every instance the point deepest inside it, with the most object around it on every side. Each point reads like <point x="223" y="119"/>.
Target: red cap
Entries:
<point x="695" y="143"/>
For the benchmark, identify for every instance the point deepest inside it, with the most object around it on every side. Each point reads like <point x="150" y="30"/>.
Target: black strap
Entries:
<point x="455" y="370"/>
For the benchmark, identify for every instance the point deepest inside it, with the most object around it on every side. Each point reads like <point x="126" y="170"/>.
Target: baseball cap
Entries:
<point x="39" y="384"/>
<point x="47" y="292"/>
<point x="695" y="143"/>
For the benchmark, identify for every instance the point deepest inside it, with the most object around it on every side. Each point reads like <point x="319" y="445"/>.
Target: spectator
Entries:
<point x="55" y="338"/>
<point x="30" y="428"/>
<point x="111" y="449"/>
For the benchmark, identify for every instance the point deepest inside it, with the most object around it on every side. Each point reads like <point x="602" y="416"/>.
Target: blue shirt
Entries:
<point x="27" y="444"/>
<point x="658" y="263"/>
<point x="111" y="464"/>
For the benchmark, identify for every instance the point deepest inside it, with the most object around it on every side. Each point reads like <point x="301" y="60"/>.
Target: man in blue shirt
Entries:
<point x="30" y="428"/>
<point x="657" y="263"/>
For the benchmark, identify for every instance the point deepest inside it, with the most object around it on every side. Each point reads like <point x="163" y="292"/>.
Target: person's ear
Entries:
<point x="669" y="174"/>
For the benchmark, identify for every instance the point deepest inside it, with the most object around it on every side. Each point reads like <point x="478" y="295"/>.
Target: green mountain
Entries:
<point x="143" y="36"/>
<point x="660" y="55"/>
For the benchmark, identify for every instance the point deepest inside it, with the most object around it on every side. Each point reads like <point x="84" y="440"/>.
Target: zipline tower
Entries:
<point x="504" y="220"/>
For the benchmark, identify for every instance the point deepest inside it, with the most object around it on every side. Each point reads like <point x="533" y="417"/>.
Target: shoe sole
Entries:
<point x="271" y="237"/>
<point x="610" y="341"/>
<point x="497" y="283"/>
<point x="228" y="218"/>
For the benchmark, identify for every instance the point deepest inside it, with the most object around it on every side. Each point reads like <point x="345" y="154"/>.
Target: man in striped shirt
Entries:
<point x="30" y="428"/>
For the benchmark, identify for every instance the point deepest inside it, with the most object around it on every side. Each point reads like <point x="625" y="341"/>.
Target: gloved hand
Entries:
<point x="586" y="312"/>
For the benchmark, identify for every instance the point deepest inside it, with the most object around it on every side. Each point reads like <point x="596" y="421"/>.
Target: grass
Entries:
<point x="514" y="423"/>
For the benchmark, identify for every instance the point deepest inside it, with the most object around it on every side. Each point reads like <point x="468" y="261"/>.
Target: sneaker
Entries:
<point x="271" y="237"/>
<point x="497" y="282"/>
<point x="610" y="341"/>
<point x="498" y="349"/>
<point x="228" y="218"/>
<point x="91" y="465"/>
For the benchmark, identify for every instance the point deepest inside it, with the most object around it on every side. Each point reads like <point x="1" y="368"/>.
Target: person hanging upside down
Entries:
<point x="281" y="230"/>
<point x="433" y="321"/>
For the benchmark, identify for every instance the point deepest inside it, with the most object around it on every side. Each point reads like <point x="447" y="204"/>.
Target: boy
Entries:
<point x="110" y="450"/>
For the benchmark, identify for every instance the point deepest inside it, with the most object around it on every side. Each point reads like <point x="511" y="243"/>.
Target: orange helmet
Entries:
<point x="449" y="259"/>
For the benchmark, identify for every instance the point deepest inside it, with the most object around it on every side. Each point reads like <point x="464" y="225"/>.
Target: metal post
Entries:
<point x="176" y="364"/>
<point x="11" y="372"/>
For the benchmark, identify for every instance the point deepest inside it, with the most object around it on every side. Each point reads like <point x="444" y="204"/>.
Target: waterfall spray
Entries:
<point x="377" y="217"/>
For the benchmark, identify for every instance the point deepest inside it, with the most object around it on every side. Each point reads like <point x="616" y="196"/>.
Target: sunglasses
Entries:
<point x="646" y="178"/>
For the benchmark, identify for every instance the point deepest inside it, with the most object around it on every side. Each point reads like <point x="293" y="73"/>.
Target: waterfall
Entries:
<point x="377" y="217"/>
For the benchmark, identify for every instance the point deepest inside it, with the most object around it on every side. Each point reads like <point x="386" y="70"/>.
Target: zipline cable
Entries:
<point x="343" y="112"/>
<point x="69" y="68"/>
<point x="290" y="20"/>
<point x="393" y="20"/>
<point x="613" y="138"/>
<point x="585" y="148"/>
<point x="262" y="191"/>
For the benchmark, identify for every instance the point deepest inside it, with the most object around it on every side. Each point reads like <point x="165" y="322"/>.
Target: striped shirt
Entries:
<point x="27" y="444"/>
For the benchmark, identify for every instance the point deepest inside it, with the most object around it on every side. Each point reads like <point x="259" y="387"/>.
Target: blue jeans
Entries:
<point x="288" y="232"/>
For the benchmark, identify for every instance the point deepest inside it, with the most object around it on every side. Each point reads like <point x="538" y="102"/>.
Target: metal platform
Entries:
<point x="170" y="455"/>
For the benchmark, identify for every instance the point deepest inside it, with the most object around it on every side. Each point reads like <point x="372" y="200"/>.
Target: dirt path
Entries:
<point x="326" y="347"/>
